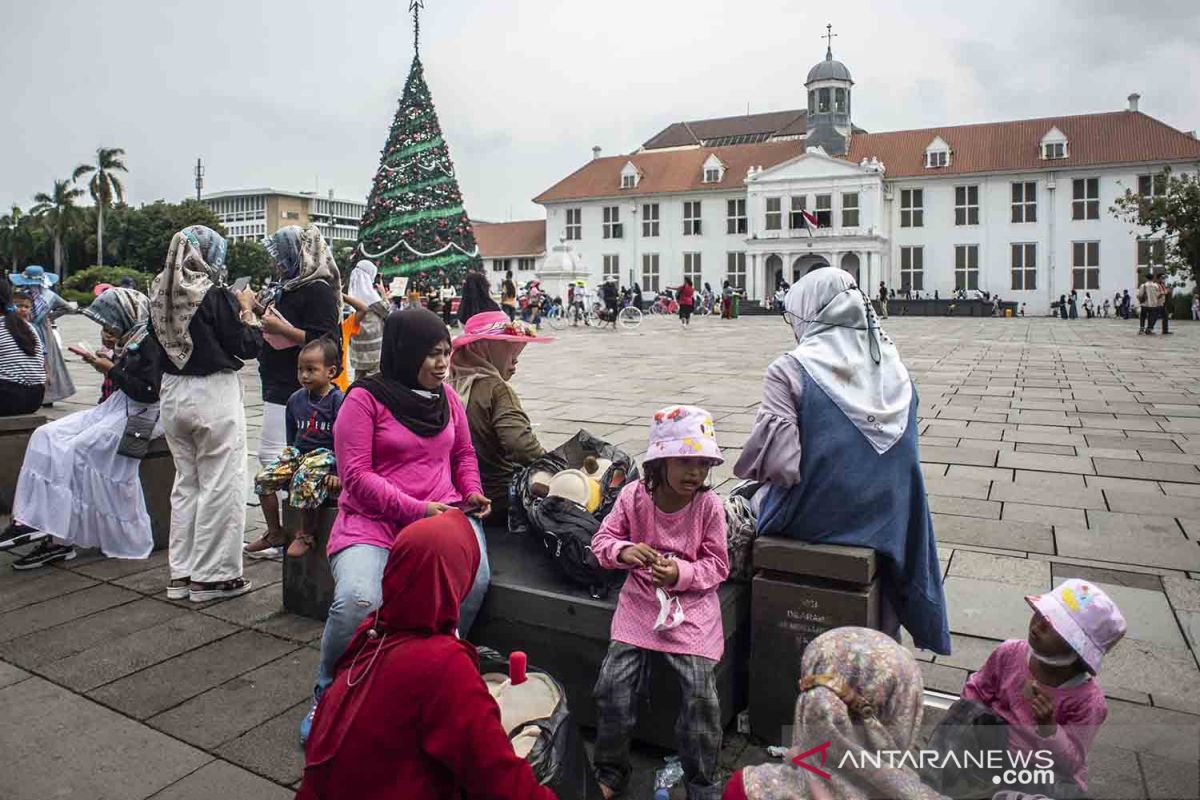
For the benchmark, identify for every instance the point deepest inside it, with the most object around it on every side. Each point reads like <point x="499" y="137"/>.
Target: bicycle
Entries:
<point x="628" y="317"/>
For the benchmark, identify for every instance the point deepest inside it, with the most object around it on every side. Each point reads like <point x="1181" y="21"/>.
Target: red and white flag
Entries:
<point x="810" y="221"/>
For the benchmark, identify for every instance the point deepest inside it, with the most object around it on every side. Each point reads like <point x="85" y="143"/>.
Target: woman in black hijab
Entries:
<point x="404" y="453"/>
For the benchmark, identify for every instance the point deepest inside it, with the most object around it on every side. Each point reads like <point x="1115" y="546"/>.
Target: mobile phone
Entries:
<point x="240" y="284"/>
<point x="470" y="509"/>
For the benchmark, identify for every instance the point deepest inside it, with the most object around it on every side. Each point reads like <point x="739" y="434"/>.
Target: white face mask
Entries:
<point x="670" y="611"/>
<point x="1053" y="661"/>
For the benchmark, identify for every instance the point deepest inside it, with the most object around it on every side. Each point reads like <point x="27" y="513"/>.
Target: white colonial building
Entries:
<point x="1016" y="208"/>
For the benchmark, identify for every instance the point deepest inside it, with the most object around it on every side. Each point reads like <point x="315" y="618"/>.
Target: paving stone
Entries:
<point x="1123" y="485"/>
<point x="967" y="652"/>
<point x="59" y="745"/>
<point x="1128" y="548"/>
<point x="162" y="686"/>
<point x="1147" y="470"/>
<point x="10" y="674"/>
<point x="117" y="658"/>
<point x="24" y="589"/>
<point x="971" y="456"/>
<point x="1133" y="443"/>
<point x="62" y="641"/>
<point x="1158" y="731"/>
<point x="1141" y="666"/>
<point x="220" y="779"/>
<point x="1053" y="496"/>
<point x="1046" y="463"/>
<point x="1147" y="614"/>
<point x="964" y="507"/>
<point x="942" y="678"/>
<point x="1114" y="774"/>
<point x="988" y="609"/>
<point x="1168" y="505"/>
<point x="1057" y="480"/>
<point x="58" y="610"/>
<point x="1020" y="512"/>
<point x="978" y="473"/>
<point x="957" y="487"/>
<point x="1169" y="780"/>
<point x="229" y="710"/>
<point x="270" y="748"/>
<point x="1022" y="572"/>
<point x="107" y="569"/>
<point x="1061" y="572"/>
<point x="1023" y="536"/>
<point x="291" y="626"/>
<point x="253" y="607"/>
<point x="1164" y="527"/>
<point x="1049" y="449"/>
<point x="1182" y="593"/>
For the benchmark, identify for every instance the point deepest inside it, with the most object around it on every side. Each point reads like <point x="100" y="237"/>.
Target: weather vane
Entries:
<point x="829" y="36"/>
<point x="414" y="7"/>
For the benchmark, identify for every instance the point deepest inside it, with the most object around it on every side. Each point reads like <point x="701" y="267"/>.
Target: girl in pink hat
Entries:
<point x="668" y="531"/>
<point x="1044" y="686"/>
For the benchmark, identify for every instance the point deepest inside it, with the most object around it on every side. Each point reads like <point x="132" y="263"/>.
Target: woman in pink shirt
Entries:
<point x="404" y="453"/>
<point x="668" y="530"/>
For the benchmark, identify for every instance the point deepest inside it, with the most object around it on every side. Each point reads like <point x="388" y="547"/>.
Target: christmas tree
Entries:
<point x="415" y="223"/>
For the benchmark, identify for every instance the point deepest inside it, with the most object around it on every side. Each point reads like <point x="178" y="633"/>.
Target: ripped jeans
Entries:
<point x="358" y="589"/>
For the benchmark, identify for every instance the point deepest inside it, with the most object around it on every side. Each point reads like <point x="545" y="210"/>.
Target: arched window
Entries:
<point x="840" y="100"/>
<point x="823" y="101"/>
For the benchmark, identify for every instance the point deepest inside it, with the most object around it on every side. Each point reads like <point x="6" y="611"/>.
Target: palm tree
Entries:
<point x="103" y="187"/>
<point x="59" y="214"/>
<point x="8" y="235"/>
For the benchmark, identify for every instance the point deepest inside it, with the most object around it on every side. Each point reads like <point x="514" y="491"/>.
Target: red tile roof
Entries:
<point x="669" y="171"/>
<point x="755" y="127"/>
<point x="509" y="239"/>
<point x="1118" y="137"/>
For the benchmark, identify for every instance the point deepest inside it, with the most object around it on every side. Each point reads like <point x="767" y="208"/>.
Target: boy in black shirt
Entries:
<point x="306" y="466"/>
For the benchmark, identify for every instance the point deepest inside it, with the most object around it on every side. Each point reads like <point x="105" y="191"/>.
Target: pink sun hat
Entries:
<point x="1084" y="616"/>
<point x="683" y="432"/>
<point x="496" y="327"/>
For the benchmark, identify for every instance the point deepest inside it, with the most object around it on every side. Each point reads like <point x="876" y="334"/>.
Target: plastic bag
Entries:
<point x="550" y="739"/>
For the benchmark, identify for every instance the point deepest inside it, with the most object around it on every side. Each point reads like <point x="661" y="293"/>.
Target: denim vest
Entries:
<point x="849" y="494"/>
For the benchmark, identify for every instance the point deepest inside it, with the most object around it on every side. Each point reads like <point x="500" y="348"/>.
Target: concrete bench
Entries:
<point x="157" y="474"/>
<point x="14" y="438"/>
<point x="308" y="581"/>
<point x="532" y="607"/>
<point x="800" y="591"/>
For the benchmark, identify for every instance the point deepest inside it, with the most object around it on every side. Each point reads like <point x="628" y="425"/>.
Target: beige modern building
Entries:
<point x="255" y="213"/>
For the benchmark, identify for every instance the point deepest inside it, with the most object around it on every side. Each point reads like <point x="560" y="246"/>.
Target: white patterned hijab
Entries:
<point x="195" y="263"/>
<point x="842" y="348"/>
<point x="303" y="255"/>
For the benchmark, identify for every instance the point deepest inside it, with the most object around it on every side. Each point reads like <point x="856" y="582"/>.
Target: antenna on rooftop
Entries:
<point x="199" y="173"/>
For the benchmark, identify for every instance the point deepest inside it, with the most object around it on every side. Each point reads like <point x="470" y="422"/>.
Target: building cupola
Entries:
<point x="828" y="86"/>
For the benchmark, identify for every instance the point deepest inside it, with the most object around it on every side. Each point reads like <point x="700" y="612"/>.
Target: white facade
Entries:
<point x="648" y="247"/>
<point x="251" y="214"/>
<point x="524" y="268"/>
<point x="872" y="248"/>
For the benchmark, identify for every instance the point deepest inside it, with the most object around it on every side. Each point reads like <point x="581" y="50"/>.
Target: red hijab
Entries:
<point x="429" y="572"/>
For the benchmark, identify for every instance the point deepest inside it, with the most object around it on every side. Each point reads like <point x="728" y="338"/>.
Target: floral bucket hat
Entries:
<point x="495" y="326"/>
<point x="1084" y="616"/>
<point x="683" y="432"/>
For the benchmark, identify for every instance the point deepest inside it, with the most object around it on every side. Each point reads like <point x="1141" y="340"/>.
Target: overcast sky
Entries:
<point x="299" y="95"/>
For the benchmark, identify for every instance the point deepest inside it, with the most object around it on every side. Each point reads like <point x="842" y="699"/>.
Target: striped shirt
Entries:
<point x="17" y="367"/>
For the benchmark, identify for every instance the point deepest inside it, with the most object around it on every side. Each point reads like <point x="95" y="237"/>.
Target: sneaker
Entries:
<point x="270" y="552"/>
<point x="264" y="547"/>
<point x="306" y="723"/>
<point x="178" y="588"/>
<point x="45" y="553"/>
<point x="17" y="534"/>
<point x="1151" y="333"/>
<point x="217" y="590"/>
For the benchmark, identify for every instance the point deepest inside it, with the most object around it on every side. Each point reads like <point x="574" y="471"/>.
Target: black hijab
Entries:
<point x="408" y="336"/>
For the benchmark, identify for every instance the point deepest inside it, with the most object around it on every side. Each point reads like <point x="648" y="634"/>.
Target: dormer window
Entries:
<point x="937" y="154"/>
<point x="714" y="170"/>
<point x="1054" y="145"/>
<point x="630" y="175"/>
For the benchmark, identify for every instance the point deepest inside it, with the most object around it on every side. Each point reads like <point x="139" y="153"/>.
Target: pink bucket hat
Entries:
<point x="683" y="432"/>
<point x="1084" y="616"/>
<point x="495" y="326"/>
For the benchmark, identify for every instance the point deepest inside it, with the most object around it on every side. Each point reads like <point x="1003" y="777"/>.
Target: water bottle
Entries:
<point x="667" y="777"/>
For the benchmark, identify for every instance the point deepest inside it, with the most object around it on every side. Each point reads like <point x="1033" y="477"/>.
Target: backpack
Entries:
<point x="567" y="530"/>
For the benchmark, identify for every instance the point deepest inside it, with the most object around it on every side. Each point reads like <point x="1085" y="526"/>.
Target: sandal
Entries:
<point x="217" y="590"/>
<point x="264" y="546"/>
<point x="177" y="588"/>
<point x="301" y="545"/>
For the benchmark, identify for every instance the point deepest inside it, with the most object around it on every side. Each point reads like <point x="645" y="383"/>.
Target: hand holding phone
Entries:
<point x="240" y="285"/>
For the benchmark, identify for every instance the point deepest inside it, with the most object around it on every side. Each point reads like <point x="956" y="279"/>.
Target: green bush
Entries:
<point x="84" y="281"/>
<point x="1181" y="305"/>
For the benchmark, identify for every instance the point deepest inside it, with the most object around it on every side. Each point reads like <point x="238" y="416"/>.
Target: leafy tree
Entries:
<point x="104" y="186"/>
<point x="16" y="239"/>
<point x="79" y="287"/>
<point x="1174" y="212"/>
<point x="60" y="215"/>
<point x="148" y="231"/>
<point x="249" y="258"/>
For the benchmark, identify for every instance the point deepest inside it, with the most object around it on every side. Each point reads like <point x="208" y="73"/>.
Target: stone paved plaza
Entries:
<point x="1051" y="450"/>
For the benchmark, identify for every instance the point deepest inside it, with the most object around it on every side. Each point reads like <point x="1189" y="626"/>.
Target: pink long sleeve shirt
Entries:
<point x="389" y="473"/>
<point x="695" y="536"/>
<point x="1079" y="711"/>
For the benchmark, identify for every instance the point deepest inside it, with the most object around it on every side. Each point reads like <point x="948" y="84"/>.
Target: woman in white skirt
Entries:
<point x="206" y="332"/>
<point x="75" y="489"/>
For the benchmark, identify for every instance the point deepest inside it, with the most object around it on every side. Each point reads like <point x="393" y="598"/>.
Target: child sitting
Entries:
<point x="668" y="530"/>
<point x="306" y="466"/>
<point x="1044" y="687"/>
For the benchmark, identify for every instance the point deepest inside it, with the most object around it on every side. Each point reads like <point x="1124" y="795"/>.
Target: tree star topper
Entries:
<point x="414" y="8"/>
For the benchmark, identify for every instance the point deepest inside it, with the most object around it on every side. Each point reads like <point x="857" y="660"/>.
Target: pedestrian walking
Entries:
<point x="1087" y="304"/>
<point x="883" y="301"/>
<point x="1126" y="304"/>
<point x="1164" y="310"/>
<point x="687" y="301"/>
<point x="1149" y="297"/>
<point x="1073" y="305"/>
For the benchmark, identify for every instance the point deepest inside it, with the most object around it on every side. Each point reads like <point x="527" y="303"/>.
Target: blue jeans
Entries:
<point x="358" y="589"/>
